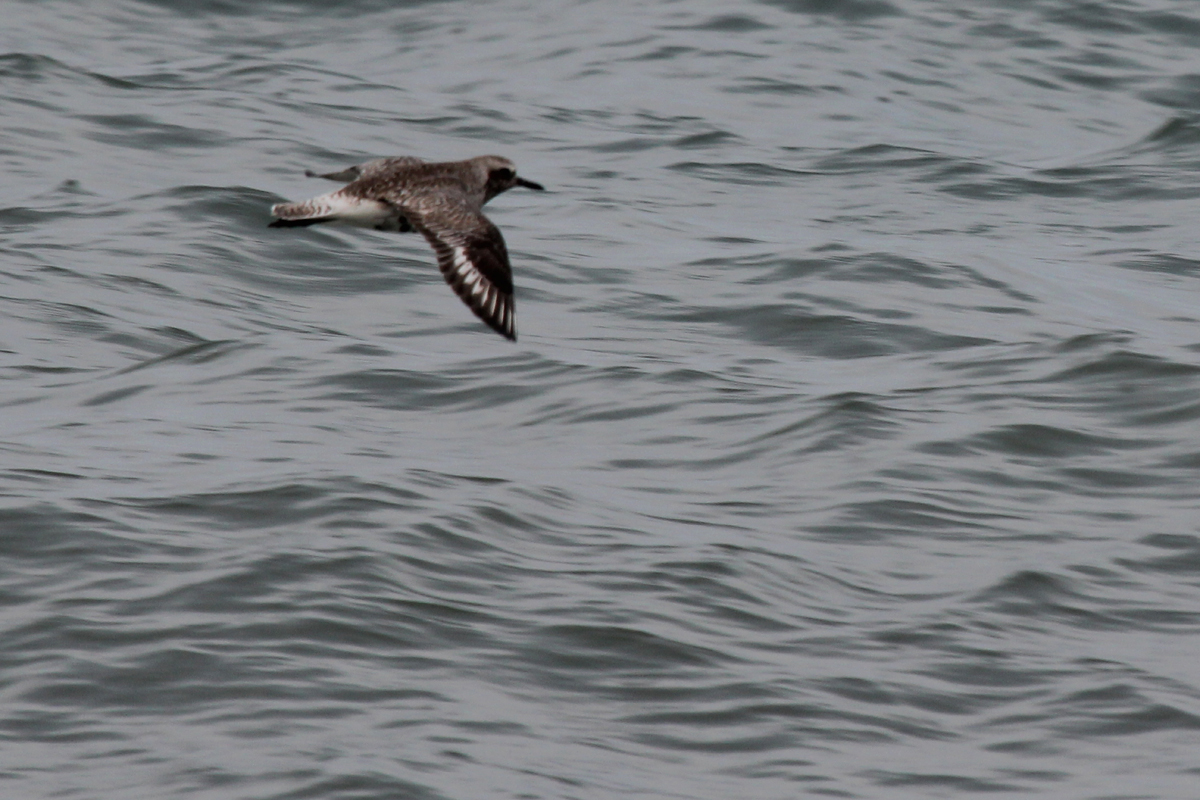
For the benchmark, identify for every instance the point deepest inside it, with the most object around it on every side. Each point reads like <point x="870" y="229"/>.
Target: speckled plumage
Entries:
<point x="441" y="201"/>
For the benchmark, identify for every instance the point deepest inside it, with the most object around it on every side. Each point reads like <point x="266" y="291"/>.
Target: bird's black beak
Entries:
<point x="529" y="184"/>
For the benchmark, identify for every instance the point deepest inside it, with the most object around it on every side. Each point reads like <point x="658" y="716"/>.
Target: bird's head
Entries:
<point x="502" y="176"/>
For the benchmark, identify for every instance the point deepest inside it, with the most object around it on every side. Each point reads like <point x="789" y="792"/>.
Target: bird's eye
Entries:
<point x="503" y="174"/>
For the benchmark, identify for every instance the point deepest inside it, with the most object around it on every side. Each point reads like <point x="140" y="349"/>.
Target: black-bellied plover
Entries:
<point x="444" y="203"/>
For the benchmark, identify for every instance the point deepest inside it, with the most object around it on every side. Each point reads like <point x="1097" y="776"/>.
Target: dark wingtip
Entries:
<point x="498" y="327"/>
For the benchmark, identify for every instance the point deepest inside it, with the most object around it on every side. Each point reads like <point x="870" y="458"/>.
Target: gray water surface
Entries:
<point x="849" y="449"/>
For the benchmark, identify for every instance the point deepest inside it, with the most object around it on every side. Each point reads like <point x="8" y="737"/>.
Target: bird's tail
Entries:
<point x="304" y="213"/>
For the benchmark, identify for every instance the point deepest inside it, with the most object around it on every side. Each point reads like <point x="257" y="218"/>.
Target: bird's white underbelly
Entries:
<point x="362" y="213"/>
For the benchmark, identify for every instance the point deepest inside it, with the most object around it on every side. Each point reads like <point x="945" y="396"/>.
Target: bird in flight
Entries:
<point x="441" y="201"/>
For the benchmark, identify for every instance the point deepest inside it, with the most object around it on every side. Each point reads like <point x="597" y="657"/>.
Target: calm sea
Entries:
<point x="850" y="448"/>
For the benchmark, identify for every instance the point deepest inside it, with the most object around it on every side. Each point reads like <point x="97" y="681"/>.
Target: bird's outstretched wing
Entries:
<point x="366" y="169"/>
<point x="474" y="261"/>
